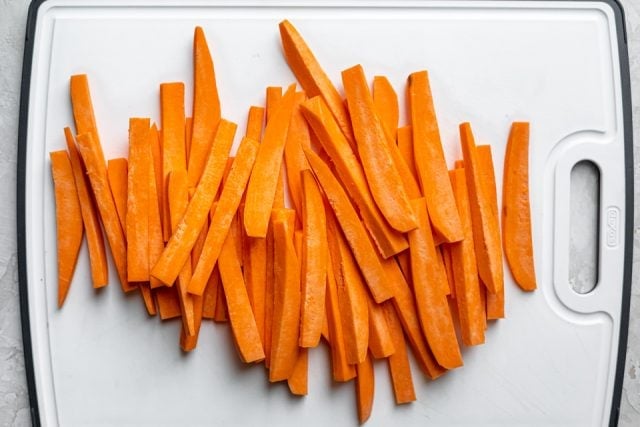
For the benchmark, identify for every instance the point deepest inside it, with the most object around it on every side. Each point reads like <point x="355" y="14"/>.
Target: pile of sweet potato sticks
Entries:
<point x="379" y="248"/>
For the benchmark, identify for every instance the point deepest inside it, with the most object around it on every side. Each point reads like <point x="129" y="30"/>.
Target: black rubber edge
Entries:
<point x="20" y="202"/>
<point x="623" y="53"/>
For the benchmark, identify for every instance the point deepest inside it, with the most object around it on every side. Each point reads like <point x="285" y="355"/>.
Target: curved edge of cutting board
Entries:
<point x="21" y="226"/>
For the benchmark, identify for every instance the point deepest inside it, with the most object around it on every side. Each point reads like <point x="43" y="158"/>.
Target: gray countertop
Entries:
<point x="13" y="389"/>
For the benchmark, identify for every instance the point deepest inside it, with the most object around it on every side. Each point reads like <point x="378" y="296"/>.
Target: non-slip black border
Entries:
<point x="623" y="52"/>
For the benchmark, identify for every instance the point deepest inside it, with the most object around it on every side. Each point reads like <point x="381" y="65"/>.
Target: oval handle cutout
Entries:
<point x="584" y="227"/>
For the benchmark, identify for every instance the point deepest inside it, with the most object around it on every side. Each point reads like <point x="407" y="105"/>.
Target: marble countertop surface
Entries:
<point x="13" y="390"/>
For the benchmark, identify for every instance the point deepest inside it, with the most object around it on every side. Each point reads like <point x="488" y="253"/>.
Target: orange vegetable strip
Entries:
<point x="278" y="199"/>
<point x="206" y="107"/>
<point x="429" y="159"/>
<point x="484" y="302"/>
<point x="382" y="175"/>
<point x="137" y="224"/>
<point x="224" y="214"/>
<point x="445" y="253"/>
<point x="352" y="294"/>
<point x="349" y="169"/>
<point x="294" y="158"/>
<point x="186" y="232"/>
<point x="273" y="96"/>
<point x="286" y="302"/>
<point x="188" y="342"/>
<point x="69" y="228"/>
<point x="495" y="302"/>
<point x="363" y="250"/>
<point x="405" y="146"/>
<point x="117" y="171"/>
<point x="268" y="293"/>
<point x="147" y="298"/>
<point x="385" y="100"/>
<point x="262" y="185"/>
<point x="365" y="386"/>
<point x="404" y="261"/>
<point x="255" y="272"/>
<point x="173" y="134"/>
<point x="486" y="230"/>
<point x="221" y="306"/>
<point x="463" y="259"/>
<point x="255" y="122"/>
<point x="188" y="130"/>
<point x="312" y="77"/>
<point x="156" y="240"/>
<point x="156" y="153"/>
<point x="95" y="241"/>
<point x="325" y="324"/>
<point x="97" y="172"/>
<point x="199" y="244"/>
<point x="516" y="212"/>
<point x="210" y="295"/>
<point x="82" y="106"/>
<point x="168" y="302"/>
<point x="178" y="197"/>
<point x="433" y="309"/>
<point x="380" y="339"/>
<point x="313" y="256"/>
<point x="405" y="305"/>
<point x="243" y="323"/>
<point x="298" y="381"/>
<point x="341" y="370"/>
<point x="399" y="366"/>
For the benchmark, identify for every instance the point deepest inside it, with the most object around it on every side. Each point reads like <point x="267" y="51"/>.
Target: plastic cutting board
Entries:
<point x="558" y="357"/>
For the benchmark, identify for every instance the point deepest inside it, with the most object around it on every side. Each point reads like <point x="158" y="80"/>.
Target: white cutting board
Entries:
<point x="102" y="361"/>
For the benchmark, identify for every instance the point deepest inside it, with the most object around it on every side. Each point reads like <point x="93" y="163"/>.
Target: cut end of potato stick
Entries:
<point x="516" y="210"/>
<point x="312" y="77"/>
<point x="382" y="175"/>
<point x="486" y="230"/>
<point x="82" y="107"/>
<point x="314" y="261"/>
<point x="255" y="122"/>
<point x="298" y="381"/>
<point x="261" y="189"/>
<point x="365" y="386"/>
<point x="69" y="228"/>
<point x="167" y="301"/>
<point x="399" y="366"/>
<point x="349" y="169"/>
<point x="380" y="340"/>
<point x="90" y="219"/>
<point x="385" y="100"/>
<point x="429" y="159"/>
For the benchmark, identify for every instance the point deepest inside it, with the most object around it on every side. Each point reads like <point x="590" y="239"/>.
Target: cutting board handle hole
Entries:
<point x="584" y="227"/>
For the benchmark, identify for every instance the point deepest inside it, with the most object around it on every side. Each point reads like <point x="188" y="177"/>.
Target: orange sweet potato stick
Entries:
<point x="380" y="339"/>
<point x="516" y="212"/>
<point x="349" y="169"/>
<point x="363" y="250"/>
<point x="178" y="198"/>
<point x="268" y="293"/>
<point x="405" y="146"/>
<point x="433" y="309"/>
<point x="298" y="381"/>
<point x="382" y="175"/>
<point x="486" y="230"/>
<point x="286" y="308"/>
<point x="399" y="366"/>
<point x="264" y="177"/>
<point x="69" y="228"/>
<point x="206" y="107"/>
<point x="312" y="77"/>
<point x="173" y="135"/>
<point x="313" y="256"/>
<point x="341" y="370"/>
<point x="221" y="306"/>
<point x="179" y="247"/>
<point x="445" y="253"/>
<point x="188" y="342"/>
<point x="294" y="158"/>
<point x="156" y="240"/>
<point x="117" y="171"/>
<point x="495" y="302"/>
<point x="273" y="96"/>
<point x="210" y="296"/>
<point x="352" y="294"/>
<point x="188" y="131"/>
<point x="156" y="153"/>
<point x="243" y="323"/>
<point x="82" y="106"/>
<point x="385" y="100"/>
<point x="365" y="388"/>
<point x="168" y="302"/>
<point x="95" y="240"/>
<point x="97" y="172"/>
<point x="429" y="159"/>
<point x="224" y="213"/>
<point x="279" y="197"/>
<point x="463" y="259"/>
<point x="137" y="224"/>
<point x="255" y="122"/>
